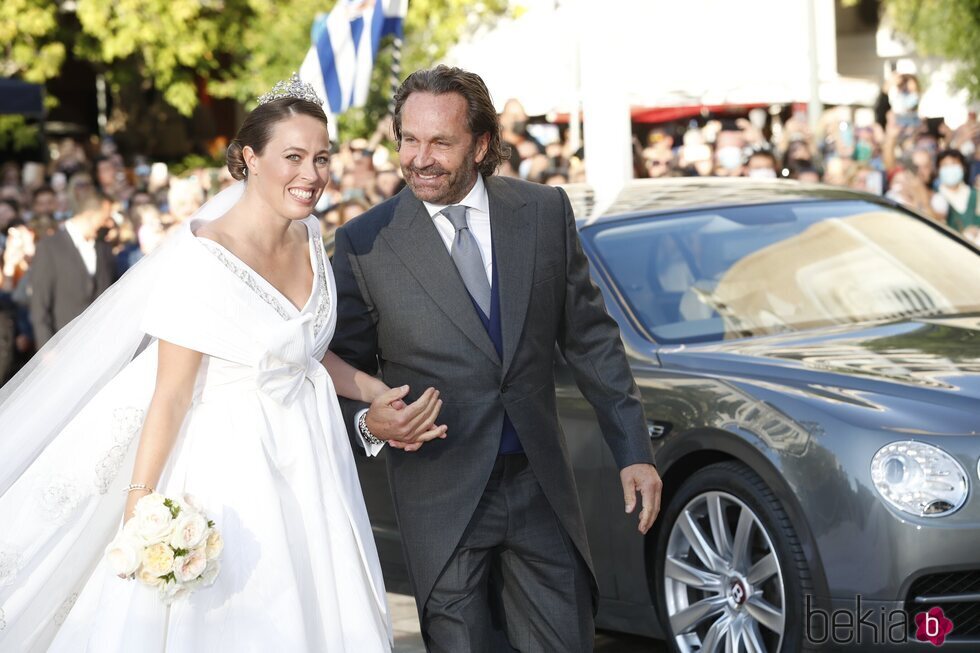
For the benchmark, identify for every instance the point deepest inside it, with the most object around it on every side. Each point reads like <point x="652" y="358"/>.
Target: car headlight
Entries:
<point x="918" y="478"/>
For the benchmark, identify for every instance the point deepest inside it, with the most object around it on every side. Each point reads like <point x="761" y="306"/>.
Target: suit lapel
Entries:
<point x="416" y="242"/>
<point x="513" y="228"/>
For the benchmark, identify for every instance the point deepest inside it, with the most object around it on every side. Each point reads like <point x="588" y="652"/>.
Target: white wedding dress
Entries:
<point x="263" y="449"/>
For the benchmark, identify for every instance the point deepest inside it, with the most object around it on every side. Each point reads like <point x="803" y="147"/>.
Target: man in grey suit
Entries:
<point x="465" y="282"/>
<point x="70" y="269"/>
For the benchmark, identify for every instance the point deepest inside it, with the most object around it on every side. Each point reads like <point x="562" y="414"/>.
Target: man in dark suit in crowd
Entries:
<point x="70" y="269"/>
<point x="465" y="282"/>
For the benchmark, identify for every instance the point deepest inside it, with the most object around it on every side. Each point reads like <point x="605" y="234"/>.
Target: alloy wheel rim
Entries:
<point x="723" y="582"/>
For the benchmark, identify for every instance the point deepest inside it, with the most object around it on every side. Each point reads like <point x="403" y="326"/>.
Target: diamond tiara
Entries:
<point x="295" y="88"/>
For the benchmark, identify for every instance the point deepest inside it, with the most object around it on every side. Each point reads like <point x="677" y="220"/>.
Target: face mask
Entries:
<point x="951" y="175"/>
<point x="729" y="157"/>
<point x="968" y="148"/>
<point x="862" y="151"/>
<point x="762" y="173"/>
<point x="911" y="101"/>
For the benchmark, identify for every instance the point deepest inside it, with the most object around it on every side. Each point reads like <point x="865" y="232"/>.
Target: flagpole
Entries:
<point x="396" y="71"/>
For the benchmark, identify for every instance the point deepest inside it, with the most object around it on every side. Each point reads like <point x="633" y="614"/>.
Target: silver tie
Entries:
<point x="466" y="255"/>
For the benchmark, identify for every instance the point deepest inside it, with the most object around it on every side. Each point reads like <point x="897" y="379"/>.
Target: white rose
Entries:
<point x="190" y="566"/>
<point x="189" y="532"/>
<point x="123" y="555"/>
<point x="131" y="529"/>
<point x="153" y="520"/>
<point x="148" y="501"/>
<point x="210" y="573"/>
<point x="170" y="592"/>
<point x="194" y="585"/>
<point x="215" y="544"/>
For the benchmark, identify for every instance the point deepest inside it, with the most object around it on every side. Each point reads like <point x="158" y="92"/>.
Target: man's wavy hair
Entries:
<point x="481" y="115"/>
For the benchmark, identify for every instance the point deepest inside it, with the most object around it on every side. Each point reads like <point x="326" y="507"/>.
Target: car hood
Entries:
<point x="931" y="363"/>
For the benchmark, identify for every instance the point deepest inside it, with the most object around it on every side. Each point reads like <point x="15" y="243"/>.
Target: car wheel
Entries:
<point x="731" y="574"/>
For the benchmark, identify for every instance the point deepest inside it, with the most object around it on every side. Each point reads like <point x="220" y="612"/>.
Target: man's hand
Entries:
<point x="405" y="426"/>
<point x="644" y="479"/>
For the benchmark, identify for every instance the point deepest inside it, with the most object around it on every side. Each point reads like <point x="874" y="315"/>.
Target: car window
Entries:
<point x="745" y="271"/>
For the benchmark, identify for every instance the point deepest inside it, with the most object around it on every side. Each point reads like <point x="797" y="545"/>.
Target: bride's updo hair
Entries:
<point x="257" y="129"/>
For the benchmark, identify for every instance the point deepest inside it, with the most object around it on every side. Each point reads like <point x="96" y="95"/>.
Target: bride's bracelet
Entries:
<point x="139" y="486"/>
<point x="369" y="437"/>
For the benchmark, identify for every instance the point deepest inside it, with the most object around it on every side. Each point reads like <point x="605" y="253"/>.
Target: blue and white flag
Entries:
<point x="345" y="43"/>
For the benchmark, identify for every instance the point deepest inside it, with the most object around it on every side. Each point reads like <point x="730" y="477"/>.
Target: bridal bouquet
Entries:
<point x="170" y="545"/>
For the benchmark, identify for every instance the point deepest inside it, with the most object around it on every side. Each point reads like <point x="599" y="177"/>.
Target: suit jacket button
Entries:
<point x="505" y="387"/>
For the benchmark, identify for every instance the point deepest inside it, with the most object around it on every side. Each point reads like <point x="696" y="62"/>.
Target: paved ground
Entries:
<point x="409" y="640"/>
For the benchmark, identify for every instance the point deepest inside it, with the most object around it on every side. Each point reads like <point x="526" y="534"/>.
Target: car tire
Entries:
<point x="729" y="565"/>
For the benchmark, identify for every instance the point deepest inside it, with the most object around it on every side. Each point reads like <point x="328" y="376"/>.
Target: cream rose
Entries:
<point x="214" y="545"/>
<point x="158" y="559"/>
<point x="190" y="529"/>
<point x="190" y="566"/>
<point x="153" y="519"/>
<point x="147" y="578"/>
<point x="123" y="555"/>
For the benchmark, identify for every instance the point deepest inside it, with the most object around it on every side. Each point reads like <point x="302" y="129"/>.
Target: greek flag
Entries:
<point x="345" y="43"/>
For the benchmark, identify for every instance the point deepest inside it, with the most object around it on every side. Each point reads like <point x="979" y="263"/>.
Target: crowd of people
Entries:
<point x="113" y="211"/>
<point x="886" y="150"/>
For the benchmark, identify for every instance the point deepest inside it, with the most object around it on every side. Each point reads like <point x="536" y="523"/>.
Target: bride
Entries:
<point x="211" y="354"/>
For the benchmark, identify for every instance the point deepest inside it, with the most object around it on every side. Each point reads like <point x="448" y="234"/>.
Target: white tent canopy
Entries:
<point x="670" y="53"/>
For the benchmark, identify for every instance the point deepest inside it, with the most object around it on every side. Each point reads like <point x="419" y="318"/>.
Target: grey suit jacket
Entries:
<point x="61" y="287"/>
<point x="403" y="309"/>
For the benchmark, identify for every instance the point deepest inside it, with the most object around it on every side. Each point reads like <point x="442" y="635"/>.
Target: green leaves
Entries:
<point x="170" y="43"/>
<point x="27" y="40"/>
<point x="235" y="48"/>
<point x="17" y="134"/>
<point x="943" y="28"/>
<point x="174" y="508"/>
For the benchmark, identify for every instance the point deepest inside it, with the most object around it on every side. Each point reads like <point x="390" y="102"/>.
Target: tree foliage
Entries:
<point x="236" y="48"/>
<point x="169" y="43"/>
<point x="17" y="134"/>
<point x="29" y="47"/>
<point x="943" y="28"/>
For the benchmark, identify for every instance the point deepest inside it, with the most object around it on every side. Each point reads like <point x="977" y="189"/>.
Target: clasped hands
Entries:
<point x="405" y="426"/>
<point x="409" y="426"/>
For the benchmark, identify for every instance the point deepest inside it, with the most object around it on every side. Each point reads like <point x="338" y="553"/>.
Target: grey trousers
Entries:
<point x="515" y="581"/>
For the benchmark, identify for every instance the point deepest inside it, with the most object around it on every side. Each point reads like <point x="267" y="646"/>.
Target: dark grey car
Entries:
<point x="809" y="360"/>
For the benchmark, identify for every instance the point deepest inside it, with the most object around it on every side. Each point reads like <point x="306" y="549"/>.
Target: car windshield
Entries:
<point x="752" y="270"/>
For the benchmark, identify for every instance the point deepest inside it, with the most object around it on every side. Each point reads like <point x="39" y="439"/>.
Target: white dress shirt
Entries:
<point x="477" y="204"/>
<point x="85" y="247"/>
